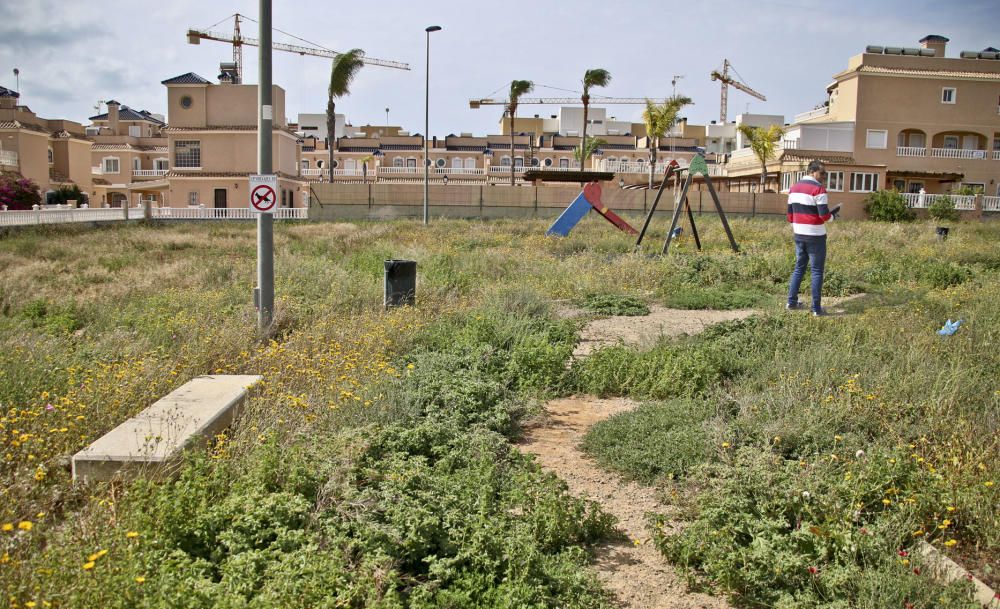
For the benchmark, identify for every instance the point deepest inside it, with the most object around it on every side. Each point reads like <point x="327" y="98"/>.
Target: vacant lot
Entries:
<point x="802" y="458"/>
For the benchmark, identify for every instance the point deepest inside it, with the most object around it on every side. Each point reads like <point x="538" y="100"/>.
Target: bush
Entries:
<point x="615" y="304"/>
<point x="18" y="192"/>
<point x="888" y="206"/>
<point x="69" y="193"/>
<point x="943" y="209"/>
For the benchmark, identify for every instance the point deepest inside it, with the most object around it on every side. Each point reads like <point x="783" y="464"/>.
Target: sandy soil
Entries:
<point x="632" y="569"/>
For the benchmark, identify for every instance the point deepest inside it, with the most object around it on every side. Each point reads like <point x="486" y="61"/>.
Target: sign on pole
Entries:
<point x="263" y="193"/>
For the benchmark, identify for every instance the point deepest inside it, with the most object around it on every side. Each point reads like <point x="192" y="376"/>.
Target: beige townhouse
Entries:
<point x="212" y="144"/>
<point x="52" y="152"/>
<point x="129" y="157"/>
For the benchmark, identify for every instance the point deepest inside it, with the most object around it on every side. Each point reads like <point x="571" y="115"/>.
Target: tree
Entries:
<point x="764" y="144"/>
<point x="517" y="89"/>
<point x="597" y="77"/>
<point x="591" y="146"/>
<point x="345" y="68"/>
<point x="18" y="192"/>
<point x="660" y="119"/>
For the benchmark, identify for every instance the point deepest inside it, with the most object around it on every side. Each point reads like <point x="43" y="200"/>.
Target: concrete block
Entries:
<point x="150" y="440"/>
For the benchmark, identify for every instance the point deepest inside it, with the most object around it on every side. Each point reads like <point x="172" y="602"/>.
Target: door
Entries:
<point x="220" y="198"/>
<point x="970" y="142"/>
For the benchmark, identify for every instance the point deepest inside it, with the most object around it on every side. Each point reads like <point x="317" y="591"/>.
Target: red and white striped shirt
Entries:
<point x="808" y="209"/>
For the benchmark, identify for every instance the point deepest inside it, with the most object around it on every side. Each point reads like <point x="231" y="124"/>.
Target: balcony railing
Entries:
<point x="957" y="153"/>
<point x="996" y="155"/>
<point x="910" y="151"/>
<point x="149" y="173"/>
<point x="224" y="213"/>
<point x="991" y="203"/>
<point x="460" y="171"/>
<point x="8" y="158"/>
<point x="501" y="169"/>
<point x="399" y="170"/>
<point x="790" y="144"/>
<point x="63" y="215"/>
<point x="923" y="201"/>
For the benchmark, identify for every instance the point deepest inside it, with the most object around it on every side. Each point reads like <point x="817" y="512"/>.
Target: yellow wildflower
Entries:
<point x="140" y="579"/>
<point x="25" y="525"/>
<point x="132" y="534"/>
<point x="8" y="526"/>
<point x="951" y="543"/>
<point x="87" y="566"/>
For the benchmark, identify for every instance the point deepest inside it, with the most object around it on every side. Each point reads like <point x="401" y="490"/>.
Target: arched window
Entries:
<point x="456" y="163"/>
<point x="470" y="163"/>
<point x="321" y="164"/>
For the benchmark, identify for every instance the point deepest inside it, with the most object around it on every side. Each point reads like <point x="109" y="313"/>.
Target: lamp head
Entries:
<point x="433" y="28"/>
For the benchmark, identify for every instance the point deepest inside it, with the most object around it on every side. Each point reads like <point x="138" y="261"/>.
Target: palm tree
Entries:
<point x="660" y="119"/>
<point x="517" y="89"/>
<point x="345" y="68"/>
<point x="593" y="143"/>
<point x="597" y="77"/>
<point x="764" y="144"/>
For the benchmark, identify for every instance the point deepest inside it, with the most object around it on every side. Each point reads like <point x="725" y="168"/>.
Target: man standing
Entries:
<point x="808" y="212"/>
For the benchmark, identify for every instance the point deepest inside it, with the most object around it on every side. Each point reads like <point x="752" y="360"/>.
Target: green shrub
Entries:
<point x="652" y="441"/>
<point x="52" y="319"/>
<point x="615" y="304"/>
<point x="943" y="210"/>
<point x="888" y="206"/>
<point x="691" y="297"/>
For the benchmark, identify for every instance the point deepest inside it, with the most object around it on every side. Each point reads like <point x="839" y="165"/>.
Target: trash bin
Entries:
<point x="400" y="282"/>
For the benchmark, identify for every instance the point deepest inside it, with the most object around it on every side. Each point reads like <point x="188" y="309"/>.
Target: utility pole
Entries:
<point x="265" y="221"/>
<point x="427" y="120"/>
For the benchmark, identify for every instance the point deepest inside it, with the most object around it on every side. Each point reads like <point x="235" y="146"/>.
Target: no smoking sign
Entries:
<point x="263" y="193"/>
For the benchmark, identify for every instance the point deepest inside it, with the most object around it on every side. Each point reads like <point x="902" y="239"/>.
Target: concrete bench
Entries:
<point x="193" y="412"/>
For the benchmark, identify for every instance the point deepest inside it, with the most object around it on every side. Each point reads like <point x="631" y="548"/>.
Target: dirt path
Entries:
<point x="633" y="569"/>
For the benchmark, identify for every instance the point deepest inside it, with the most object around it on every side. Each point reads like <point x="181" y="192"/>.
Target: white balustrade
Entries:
<point x="97" y="171"/>
<point x="910" y="151"/>
<point x="8" y="157"/>
<point x="790" y="144"/>
<point x="925" y="200"/>
<point x="461" y="171"/>
<point x="957" y="153"/>
<point x="149" y="173"/>
<point x="69" y="215"/>
<point x="991" y="203"/>
<point x="399" y="170"/>
<point x="812" y="114"/>
<point x="996" y="155"/>
<point x="501" y="169"/>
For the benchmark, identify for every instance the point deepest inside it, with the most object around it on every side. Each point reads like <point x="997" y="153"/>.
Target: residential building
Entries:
<point x="212" y="144"/>
<point x="52" y="152"/>
<point x="129" y="156"/>
<point x="913" y="119"/>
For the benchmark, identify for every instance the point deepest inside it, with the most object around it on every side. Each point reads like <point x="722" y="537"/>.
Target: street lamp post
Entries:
<point x="427" y="118"/>
<point x="387" y="121"/>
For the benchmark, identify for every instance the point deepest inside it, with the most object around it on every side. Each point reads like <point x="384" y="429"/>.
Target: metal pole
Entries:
<point x="265" y="222"/>
<point x="427" y="118"/>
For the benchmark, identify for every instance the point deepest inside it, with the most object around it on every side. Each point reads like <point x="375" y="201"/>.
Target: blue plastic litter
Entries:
<point x="676" y="232"/>
<point x="950" y="327"/>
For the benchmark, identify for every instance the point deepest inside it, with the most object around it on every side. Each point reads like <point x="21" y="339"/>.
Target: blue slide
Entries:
<point x="570" y="217"/>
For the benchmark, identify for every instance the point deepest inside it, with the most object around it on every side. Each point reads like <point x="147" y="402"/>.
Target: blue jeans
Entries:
<point x="813" y="254"/>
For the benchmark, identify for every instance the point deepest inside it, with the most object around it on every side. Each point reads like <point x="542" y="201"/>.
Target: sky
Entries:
<point x="71" y="54"/>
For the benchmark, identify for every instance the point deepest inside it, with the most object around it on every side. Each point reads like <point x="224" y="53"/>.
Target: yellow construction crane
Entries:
<point x="237" y="39"/>
<point x="726" y="81"/>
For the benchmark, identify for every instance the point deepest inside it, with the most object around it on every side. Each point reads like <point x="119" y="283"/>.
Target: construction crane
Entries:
<point x="475" y="103"/>
<point x="726" y="81"/>
<point x="237" y="39"/>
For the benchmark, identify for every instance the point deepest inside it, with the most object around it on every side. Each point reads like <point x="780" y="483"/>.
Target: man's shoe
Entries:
<point x="820" y="313"/>
<point x="793" y="307"/>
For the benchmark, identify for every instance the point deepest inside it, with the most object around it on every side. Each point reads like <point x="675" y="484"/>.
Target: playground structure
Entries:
<point x="589" y="198"/>
<point x="697" y="166"/>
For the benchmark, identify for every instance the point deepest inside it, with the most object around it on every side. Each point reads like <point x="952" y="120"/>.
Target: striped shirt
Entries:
<point x="807" y="209"/>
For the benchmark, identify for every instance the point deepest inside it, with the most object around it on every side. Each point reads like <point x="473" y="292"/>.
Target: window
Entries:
<point x="948" y="95"/>
<point x="534" y="161"/>
<point x="877" y="138"/>
<point x="917" y="140"/>
<point x="899" y="185"/>
<point x="135" y="131"/>
<point x="111" y="165"/>
<point x="470" y="163"/>
<point x="835" y="181"/>
<point x="914" y="187"/>
<point x="52" y="158"/>
<point x="951" y="142"/>
<point x="187" y="154"/>
<point x="305" y="163"/>
<point x="398" y="161"/>
<point x="996" y="143"/>
<point x="564" y="163"/>
<point x="193" y="198"/>
<point x="136" y="164"/>
<point x="440" y="163"/>
<point x="519" y="161"/>
<point x="411" y="162"/>
<point x="456" y="163"/>
<point x="161" y="164"/>
<point x="977" y="187"/>
<point x="864" y="182"/>
<point x="186" y="101"/>
<point x="505" y="161"/>
<point x="547" y="162"/>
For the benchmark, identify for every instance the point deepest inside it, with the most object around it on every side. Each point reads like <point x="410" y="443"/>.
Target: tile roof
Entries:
<point x="185" y="79"/>
<point x="128" y="114"/>
<point x="965" y="75"/>
<point x="64" y="134"/>
<point x="225" y="128"/>
<point x="5" y="92"/>
<point x="20" y="125"/>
